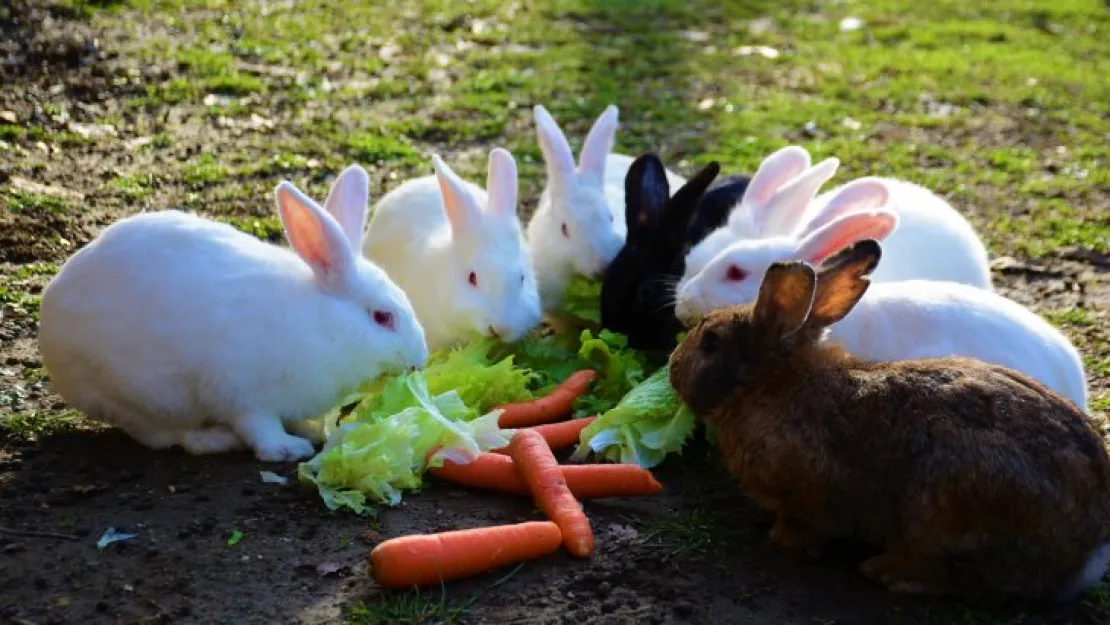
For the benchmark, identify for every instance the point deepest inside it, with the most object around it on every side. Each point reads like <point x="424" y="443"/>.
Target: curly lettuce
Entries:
<point x="384" y="446"/>
<point x="582" y="298"/>
<point x="647" y="424"/>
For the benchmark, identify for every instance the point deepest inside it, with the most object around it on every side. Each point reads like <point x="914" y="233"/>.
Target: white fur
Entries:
<point x="184" y="331"/>
<point x="932" y="242"/>
<point x="926" y="319"/>
<point x="588" y="198"/>
<point x="429" y="233"/>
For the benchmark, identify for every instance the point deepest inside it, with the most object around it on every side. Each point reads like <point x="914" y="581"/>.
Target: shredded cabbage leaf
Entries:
<point x="379" y="437"/>
<point x="649" y="423"/>
<point x="582" y="298"/>
<point x="552" y="359"/>
<point x="481" y="380"/>
<point x="382" y="448"/>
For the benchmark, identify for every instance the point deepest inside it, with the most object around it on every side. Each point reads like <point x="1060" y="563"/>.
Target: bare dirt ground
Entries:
<point x="697" y="554"/>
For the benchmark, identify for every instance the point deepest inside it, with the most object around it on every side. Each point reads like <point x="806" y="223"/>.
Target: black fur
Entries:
<point x="637" y="295"/>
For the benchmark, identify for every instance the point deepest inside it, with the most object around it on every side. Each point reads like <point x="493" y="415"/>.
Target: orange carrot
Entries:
<point x="537" y="464"/>
<point x="558" y="435"/>
<point x="586" y="481"/>
<point x="547" y="409"/>
<point x="424" y="559"/>
<point x="595" y="481"/>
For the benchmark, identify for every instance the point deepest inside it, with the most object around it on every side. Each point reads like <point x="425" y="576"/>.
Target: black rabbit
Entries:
<point x="637" y="294"/>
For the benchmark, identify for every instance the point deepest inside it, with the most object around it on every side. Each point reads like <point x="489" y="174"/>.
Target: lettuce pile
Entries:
<point x="381" y="447"/>
<point x="380" y="439"/>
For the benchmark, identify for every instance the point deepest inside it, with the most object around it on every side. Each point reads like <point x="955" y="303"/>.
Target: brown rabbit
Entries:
<point x="976" y="480"/>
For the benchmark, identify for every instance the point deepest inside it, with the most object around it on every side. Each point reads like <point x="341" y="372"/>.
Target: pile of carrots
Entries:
<point x="526" y="467"/>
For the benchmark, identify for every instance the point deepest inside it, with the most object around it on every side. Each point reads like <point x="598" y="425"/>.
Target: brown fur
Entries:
<point x="977" y="480"/>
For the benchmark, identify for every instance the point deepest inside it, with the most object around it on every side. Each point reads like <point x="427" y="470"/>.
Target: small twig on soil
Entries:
<point x="10" y="531"/>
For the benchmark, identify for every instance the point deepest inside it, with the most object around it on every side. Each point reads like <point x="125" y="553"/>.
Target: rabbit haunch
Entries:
<point x="578" y="226"/>
<point x="185" y="331"/>
<point x="976" y="479"/>
<point x="779" y="209"/>
<point x="458" y="253"/>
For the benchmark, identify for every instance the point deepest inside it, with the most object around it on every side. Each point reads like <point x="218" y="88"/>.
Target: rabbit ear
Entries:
<point x="598" y="145"/>
<point x="501" y="183"/>
<point x="348" y="201"/>
<point x="780" y="216"/>
<point x="688" y="200"/>
<point x="775" y="171"/>
<point x="646" y="192"/>
<point x="462" y="208"/>
<point x="863" y="194"/>
<point x="844" y="231"/>
<point x="689" y="196"/>
<point x="785" y="298"/>
<point x="842" y="280"/>
<point x="315" y="237"/>
<point x="553" y="144"/>
<point x="719" y="201"/>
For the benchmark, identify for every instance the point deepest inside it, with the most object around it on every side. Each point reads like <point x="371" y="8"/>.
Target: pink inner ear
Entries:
<point x="844" y="232"/>
<point x="309" y="239"/>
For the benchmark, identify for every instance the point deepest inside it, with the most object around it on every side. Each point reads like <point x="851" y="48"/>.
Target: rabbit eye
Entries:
<point x="383" y="318"/>
<point x="522" y="278"/>
<point x="710" y="341"/>
<point x="472" y="279"/>
<point x="566" y="231"/>
<point x="735" y="274"/>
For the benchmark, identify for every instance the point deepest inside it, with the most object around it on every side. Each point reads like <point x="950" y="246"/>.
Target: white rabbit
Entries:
<point x="458" y="253"/>
<point x="932" y="242"/>
<point x="902" y="320"/>
<point x="185" y="331"/>
<point x="579" y="227"/>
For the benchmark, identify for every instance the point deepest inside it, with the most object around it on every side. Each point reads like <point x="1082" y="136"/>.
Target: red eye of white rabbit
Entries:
<point x="735" y="274"/>
<point x="383" y="318"/>
<point x="472" y="279"/>
<point x="566" y="231"/>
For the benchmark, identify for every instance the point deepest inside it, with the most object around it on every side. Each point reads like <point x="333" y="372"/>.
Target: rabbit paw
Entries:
<point x="284" y="449"/>
<point x="271" y="443"/>
<point x="907" y="574"/>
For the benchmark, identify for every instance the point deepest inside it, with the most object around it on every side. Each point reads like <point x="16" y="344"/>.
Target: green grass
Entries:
<point x="697" y="532"/>
<point x="371" y="147"/>
<point x="205" y="170"/>
<point x="135" y="187"/>
<point x="418" y="607"/>
<point x="412" y="608"/>
<point x="32" y="203"/>
<point x="35" y="423"/>
<point x="24" y="303"/>
<point x="265" y="228"/>
<point x="973" y="99"/>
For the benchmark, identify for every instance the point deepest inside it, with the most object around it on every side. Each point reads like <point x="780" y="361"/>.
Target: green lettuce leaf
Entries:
<point x="582" y="298"/>
<point x="382" y="448"/>
<point x="481" y="379"/>
<point x="552" y="359"/>
<point x="649" y="423"/>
